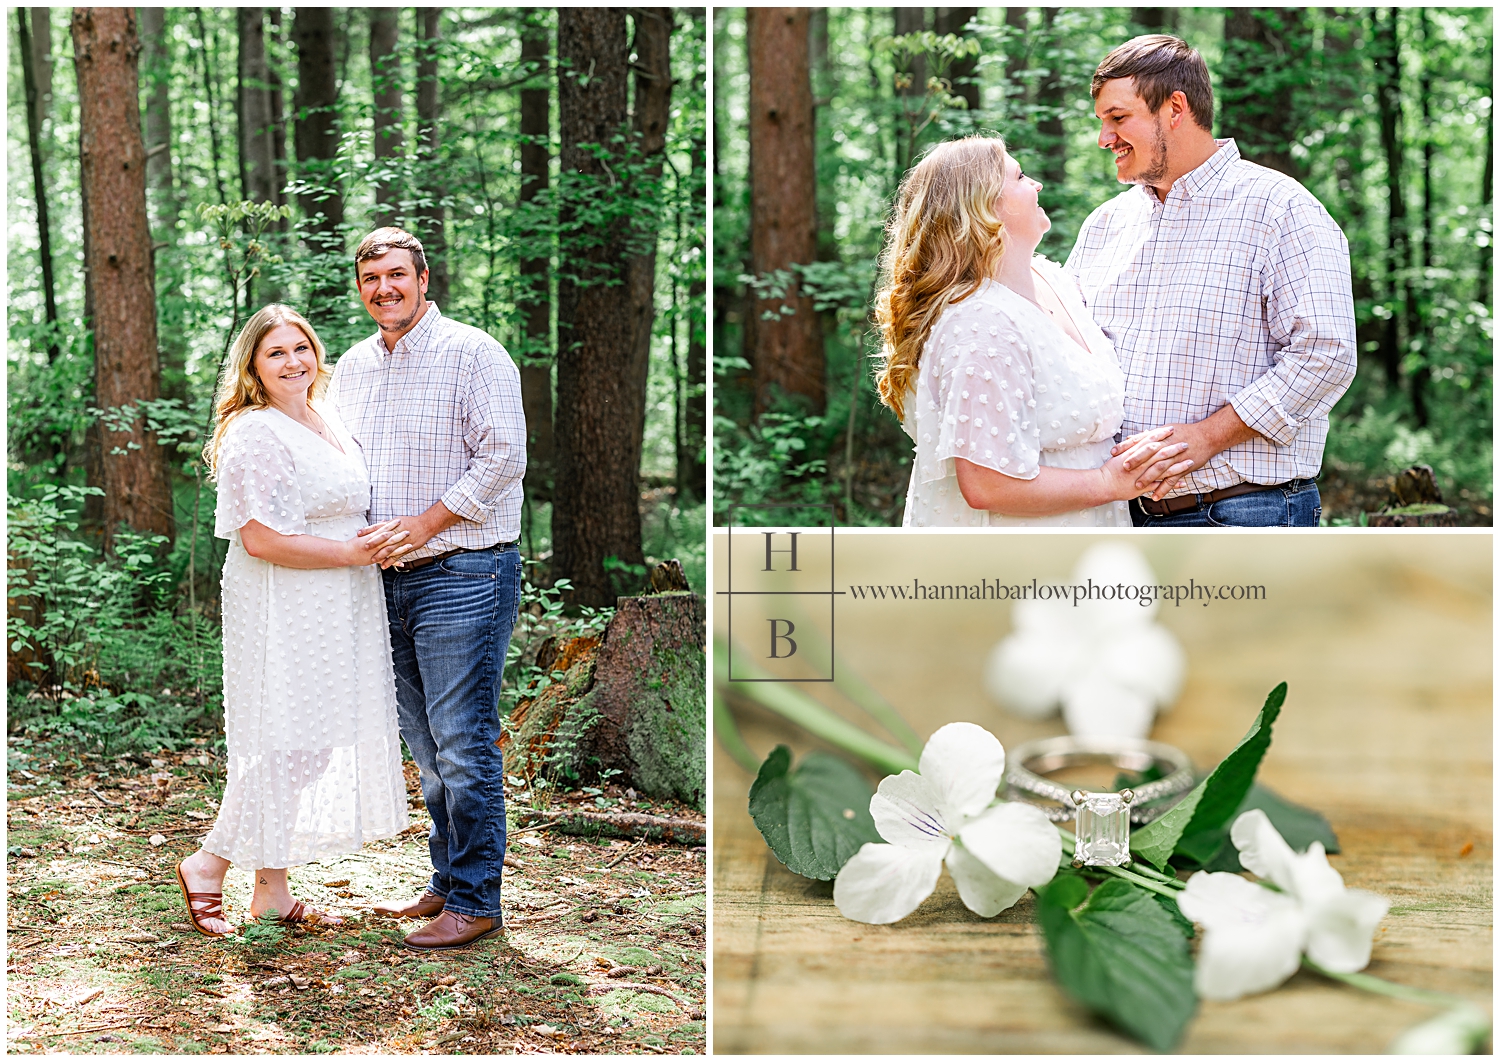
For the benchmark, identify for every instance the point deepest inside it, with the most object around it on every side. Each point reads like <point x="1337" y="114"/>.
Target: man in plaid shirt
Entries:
<point x="1225" y="289"/>
<point x="436" y="409"/>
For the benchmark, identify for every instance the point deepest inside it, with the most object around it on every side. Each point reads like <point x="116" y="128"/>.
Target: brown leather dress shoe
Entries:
<point x="427" y="905"/>
<point x="451" y="930"/>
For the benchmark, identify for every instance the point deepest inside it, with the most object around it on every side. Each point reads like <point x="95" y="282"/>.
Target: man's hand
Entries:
<point x="1213" y="435"/>
<point x="419" y="530"/>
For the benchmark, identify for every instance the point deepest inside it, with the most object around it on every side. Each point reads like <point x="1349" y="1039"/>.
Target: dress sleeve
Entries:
<point x="257" y="480"/>
<point x="985" y="396"/>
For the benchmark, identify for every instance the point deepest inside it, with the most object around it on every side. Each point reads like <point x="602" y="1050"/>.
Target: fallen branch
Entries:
<point x="620" y="824"/>
<point x="604" y="990"/>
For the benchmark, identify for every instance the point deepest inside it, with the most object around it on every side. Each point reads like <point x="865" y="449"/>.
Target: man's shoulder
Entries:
<point x="1265" y="192"/>
<point x="1126" y="207"/>
<point x="457" y="336"/>
<point x="361" y="355"/>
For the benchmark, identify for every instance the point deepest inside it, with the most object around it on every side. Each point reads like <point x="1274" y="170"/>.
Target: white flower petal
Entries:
<point x="1016" y="842"/>
<point x="884" y="883"/>
<point x="1025" y="672"/>
<point x="905" y="812"/>
<point x="1266" y="854"/>
<point x="1116" y="565"/>
<point x="1146" y="659"/>
<point x="1340" y="929"/>
<point x="1252" y="937"/>
<point x="982" y="890"/>
<point x="1098" y="706"/>
<point x="1460" y="1031"/>
<point x="962" y="765"/>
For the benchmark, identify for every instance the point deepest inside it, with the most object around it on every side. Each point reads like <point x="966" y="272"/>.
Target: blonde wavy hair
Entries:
<point x="240" y="387"/>
<point x="943" y="239"/>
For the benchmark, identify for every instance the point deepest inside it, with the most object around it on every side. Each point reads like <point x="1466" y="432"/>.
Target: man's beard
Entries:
<point x="406" y="321"/>
<point x="1157" y="169"/>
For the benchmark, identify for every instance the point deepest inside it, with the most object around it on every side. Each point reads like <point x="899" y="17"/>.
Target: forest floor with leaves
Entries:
<point x="603" y="950"/>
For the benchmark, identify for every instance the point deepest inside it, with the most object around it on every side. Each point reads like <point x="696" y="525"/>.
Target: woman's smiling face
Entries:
<point x="287" y="364"/>
<point x="1024" y="220"/>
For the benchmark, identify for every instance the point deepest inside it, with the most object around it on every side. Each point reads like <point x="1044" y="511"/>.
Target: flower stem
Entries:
<point x="729" y="736"/>
<point x="1145" y="883"/>
<point x="807" y="713"/>
<point x="1136" y="875"/>
<point x="1382" y="987"/>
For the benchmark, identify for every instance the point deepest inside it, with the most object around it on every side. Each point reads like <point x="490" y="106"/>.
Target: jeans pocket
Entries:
<point x="479" y="564"/>
<point x="1264" y="508"/>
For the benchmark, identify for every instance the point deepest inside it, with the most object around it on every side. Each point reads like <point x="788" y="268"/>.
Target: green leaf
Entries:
<point x="1121" y="954"/>
<point x="814" y="817"/>
<point x="1299" y="825"/>
<point x="1212" y="803"/>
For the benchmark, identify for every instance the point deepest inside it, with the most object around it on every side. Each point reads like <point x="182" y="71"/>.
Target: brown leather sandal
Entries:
<point x="210" y="905"/>
<point x="301" y="914"/>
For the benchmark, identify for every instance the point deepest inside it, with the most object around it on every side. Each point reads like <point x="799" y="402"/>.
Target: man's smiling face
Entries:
<point x="1132" y="132"/>
<point x="392" y="291"/>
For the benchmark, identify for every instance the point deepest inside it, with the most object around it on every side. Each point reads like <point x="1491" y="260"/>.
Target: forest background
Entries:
<point x="1383" y="113"/>
<point x="172" y="170"/>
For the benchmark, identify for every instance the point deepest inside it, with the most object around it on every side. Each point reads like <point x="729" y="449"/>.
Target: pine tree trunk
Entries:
<point x="157" y="69"/>
<point x="1263" y="49"/>
<point x="1416" y="290"/>
<point x="41" y="59"/>
<point x="1387" y="56"/>
<point x="317" y="143"/>
<point x="117" y="266"/>
<point x="535" y="300"/>
<point x="692" y="471"/>
<point x="430" y="138"/>
<point x="257" y="150"/>
<point x="596" y="508"/>
<point x="653" y="106"/>
<point x="1051" y="99"/>
<point x="786" y="352"/>
<point x="278" y="111"/>
<point x="38" y="173"/>
<point x="385" y="75"/>
<point x="962" y="74"/>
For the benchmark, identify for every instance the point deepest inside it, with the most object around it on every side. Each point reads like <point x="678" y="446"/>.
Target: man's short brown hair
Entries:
<point x="1161" y="65"/>
<point x="390" y="239"/>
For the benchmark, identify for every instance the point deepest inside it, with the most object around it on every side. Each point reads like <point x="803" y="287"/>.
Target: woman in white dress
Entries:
<point x="1011" y="394"/>
<point x="314" y="755"/>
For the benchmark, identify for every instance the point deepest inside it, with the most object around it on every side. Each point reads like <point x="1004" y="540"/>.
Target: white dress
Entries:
<point x="1001" y="385"/>
<point x="309" y="693"/>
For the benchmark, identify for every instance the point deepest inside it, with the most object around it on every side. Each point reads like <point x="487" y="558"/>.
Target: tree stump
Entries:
<point x="632" y="702"/>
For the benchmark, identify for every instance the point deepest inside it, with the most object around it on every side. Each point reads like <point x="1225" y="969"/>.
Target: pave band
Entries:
<point x="1026" y="764"/>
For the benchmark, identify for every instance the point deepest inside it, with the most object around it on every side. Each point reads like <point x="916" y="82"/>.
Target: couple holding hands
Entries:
<point x="1178" y="371"/>
<point x="372" y="580"/>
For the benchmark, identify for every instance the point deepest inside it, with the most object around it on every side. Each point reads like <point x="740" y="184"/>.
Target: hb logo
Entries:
<point x="779" y="593"/>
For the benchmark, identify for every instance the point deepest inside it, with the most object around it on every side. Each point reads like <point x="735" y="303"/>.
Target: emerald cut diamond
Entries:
<point x="1103" y="828"/>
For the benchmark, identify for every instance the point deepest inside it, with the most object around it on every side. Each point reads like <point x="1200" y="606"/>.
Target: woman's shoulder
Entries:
<point x="984" y="322"/>
<point x="253" y="429"/>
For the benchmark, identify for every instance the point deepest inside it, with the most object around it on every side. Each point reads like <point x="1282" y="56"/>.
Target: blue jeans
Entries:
<point x="1296" y="505"/>
<point x="450" y="628"/>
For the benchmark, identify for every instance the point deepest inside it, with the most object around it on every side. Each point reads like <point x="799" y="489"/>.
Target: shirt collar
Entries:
<point x="425" y="325"/>
<point x="1198" y="181"/>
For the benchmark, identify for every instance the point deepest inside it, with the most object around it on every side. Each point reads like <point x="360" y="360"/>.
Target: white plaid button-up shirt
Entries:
<point x="439" y="419"/>
<point x="1236" y="291"/>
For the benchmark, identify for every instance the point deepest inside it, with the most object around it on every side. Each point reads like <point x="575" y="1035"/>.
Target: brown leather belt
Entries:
<point x="422" y="562"/>
<point x="1186" y="503"/>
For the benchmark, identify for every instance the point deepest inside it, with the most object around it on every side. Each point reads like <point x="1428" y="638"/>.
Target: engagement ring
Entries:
<point x="1103" y="819"/>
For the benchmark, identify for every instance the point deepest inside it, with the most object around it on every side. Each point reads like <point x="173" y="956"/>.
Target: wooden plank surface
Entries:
<point x="1386" y="643"/>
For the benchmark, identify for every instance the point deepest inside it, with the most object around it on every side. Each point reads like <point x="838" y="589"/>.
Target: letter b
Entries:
<point x="785" y="636"/>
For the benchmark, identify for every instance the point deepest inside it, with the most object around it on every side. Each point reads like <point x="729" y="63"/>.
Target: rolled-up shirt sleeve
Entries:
<point x="495" y="431"/>
<point x="1309" y="303"/>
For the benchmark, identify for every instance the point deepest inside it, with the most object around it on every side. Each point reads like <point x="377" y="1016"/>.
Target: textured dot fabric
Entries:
<point x="309" y="697"/>
<point x="1000" y="384"/>
<point x="1234" y="291"/>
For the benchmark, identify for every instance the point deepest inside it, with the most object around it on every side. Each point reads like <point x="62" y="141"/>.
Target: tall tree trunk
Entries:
<point x="1157" y="19"/>
<point x="385" y="75"/>
<point x="596" y="499"/>
<point x="117" y="267"/>
<point x="1017" y="47"/>
<point x="257" y="125"/>
<point x="317" y="143"/>
<point x="41" y="59"/>
<point x="1485" y="286"/>
<point x="209" y="65"/>
<point x="786" y="352"/>
<point x="962" y="74"/>
<point x="38" y="177"/>
<point x="278" y="108"/>
<point x="1051" y="100"/>
<point x="156" y="58"/>
<point x="821" y="73"/>
<point x="911" y="83"/>
<point x="1416" y="290"/>
<point x="536" y="300"/>
<point x="692" y="471"/>
<point x="653" y="109"/>
<point x="1387" y="58"/>
<point x="429" y="145"/>
<point x="1264" y="53"/>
